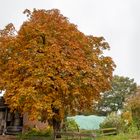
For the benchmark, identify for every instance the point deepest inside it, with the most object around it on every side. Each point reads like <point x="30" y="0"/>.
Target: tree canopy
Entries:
<point x="49" y="68"/>
<point x="113" y="100"/>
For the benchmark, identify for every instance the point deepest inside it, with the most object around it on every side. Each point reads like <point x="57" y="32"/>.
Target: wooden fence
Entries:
<point x="93" y="136"/>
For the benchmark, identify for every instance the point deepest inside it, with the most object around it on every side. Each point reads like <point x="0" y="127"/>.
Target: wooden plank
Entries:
<point x="109" y="131"/>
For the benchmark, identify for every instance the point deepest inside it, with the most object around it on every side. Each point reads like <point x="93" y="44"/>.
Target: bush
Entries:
<point x="71" y="124"/>
<point x="112" y="121"/>
<point x="133" y="103"/>
<point x="127" y="117"/>
<point x="35" y="132"/>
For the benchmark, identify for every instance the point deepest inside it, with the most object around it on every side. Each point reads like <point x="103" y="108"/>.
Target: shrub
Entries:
<point x="134" y="104"/>
<point x="135" y="108"/>
<point x="35" y="132"/>
<point x="127" y="117"/>
<point x="71" y="124"/>
<point x="112" y="121"/>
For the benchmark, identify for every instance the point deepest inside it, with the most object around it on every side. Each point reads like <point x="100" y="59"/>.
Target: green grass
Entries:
<point x="132" y="135"/>
<point x="122" y="136"/>
<point x="117" y="137"/>
<point x="114" y="137"/>
<point x="35" y="135"/>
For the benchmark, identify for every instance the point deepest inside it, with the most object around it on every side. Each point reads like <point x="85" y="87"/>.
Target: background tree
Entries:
<point x="50" y="69"/>
<point x="114" y="99"/>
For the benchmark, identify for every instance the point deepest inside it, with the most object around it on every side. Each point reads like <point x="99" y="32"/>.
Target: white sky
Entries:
<point x="118" y="21"/>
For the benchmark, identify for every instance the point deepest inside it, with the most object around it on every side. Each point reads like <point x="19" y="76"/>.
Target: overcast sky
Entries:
<point x="118" y="21"/>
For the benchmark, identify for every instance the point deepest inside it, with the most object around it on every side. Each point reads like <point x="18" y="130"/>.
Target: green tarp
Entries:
<point x="88" y="122"/>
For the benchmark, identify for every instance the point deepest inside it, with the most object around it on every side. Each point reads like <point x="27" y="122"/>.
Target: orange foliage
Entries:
<point x="49" y="64"/>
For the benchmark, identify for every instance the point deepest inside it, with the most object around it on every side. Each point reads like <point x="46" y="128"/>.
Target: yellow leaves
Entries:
<point x="127" y="117"/>
<point x="57" y="104"/>
<point x="50" y="75"/>
<point x="76" y="92"/>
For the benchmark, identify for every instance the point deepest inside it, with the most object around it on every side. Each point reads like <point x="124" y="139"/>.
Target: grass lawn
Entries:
<point x="133" y="135"/>
<point x="113" y="137"/>
<point x="121" y="137"/>
<point x="118" y="137"/>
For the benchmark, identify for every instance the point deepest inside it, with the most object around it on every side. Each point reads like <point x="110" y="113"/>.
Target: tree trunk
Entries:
<point x="56" y="128"/>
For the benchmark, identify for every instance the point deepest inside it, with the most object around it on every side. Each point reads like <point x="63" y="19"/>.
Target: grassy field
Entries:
<point x="117" y="137"/>
<point x="123" y="136"/>
<point x="132" y="135"/>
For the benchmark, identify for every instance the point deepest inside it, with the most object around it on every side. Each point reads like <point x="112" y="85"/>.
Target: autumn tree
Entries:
<point x="113" y="100"/>
<point x="49" y="68"/>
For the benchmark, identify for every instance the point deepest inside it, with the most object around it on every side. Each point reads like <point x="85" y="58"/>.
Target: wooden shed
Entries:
<point x="10" y="123"/>
<point x="13" y="123"/>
